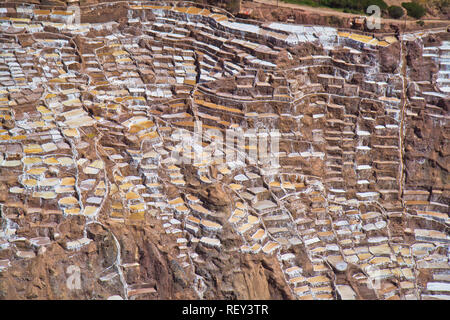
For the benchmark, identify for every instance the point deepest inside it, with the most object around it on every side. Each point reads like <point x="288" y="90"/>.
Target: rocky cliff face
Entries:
<point x="427" y="128"/>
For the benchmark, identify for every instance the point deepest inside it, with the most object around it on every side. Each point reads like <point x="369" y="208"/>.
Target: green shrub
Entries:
<point x="414" y="9"/>
<point x="383" y="5"/>
<point x="420" y="23"/>
<point x="359" y="5"/>
<point x="395" y="12"/>
<point x="311" y="3"/>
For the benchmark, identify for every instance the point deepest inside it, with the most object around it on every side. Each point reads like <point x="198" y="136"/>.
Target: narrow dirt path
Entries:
<point x="329" y="11"/>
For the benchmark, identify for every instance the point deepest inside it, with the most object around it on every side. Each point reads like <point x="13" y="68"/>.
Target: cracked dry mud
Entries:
<point x="358" y="207"/>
